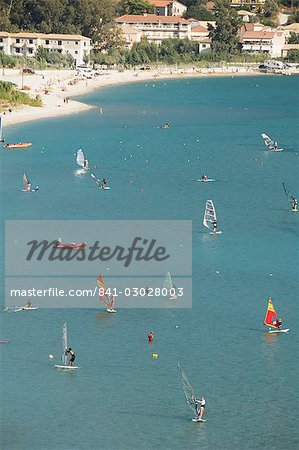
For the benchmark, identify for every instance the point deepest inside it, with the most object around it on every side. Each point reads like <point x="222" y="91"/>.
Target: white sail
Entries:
<point x="269" y="143"/>
<point x="210" y="214"/>
<point x="64" y="344"/>
<point x="81" y="160"/>
<point x="95" y="178"/>
<point x="188" y="391"/>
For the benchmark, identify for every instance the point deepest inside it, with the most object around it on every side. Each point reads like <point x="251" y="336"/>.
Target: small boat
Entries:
<point x="60" y="244"/>
<point x="81" y="160"/>
<point x="190" y="395"/>
<point x="292" y="200"/>
<point x="210" y="218"/>
<point x="270" y="144"/>
<point x="99" y="183"/>
<point x="64" y="365"/>
<point x="106" y="298"/>
<point x="19" y="145"/>
<point x="272" y="320"/>
<point x="169" y="285"/>
<point x="1" y="130"/>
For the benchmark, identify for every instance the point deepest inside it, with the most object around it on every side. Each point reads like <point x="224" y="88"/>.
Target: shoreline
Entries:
<point x="58" y="87"/>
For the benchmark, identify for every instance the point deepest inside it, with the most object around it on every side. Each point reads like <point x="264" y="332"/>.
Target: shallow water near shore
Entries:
<point x="121" y="397"/>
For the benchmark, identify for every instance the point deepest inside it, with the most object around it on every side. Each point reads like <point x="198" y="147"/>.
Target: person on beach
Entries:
<point x="215" y="226"/>
<point x="201" y="404"/>
<point x="150" y="336"/>
<point x="72" y="356"/>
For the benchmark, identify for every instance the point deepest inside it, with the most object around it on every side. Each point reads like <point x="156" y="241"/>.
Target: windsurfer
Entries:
<point x="278" y="324"/>
<point x="150" y="336"/>
<point x="214" y="226"/>
<point x="103" y="183"/>
<point x="166" y="125"/>
<point x="202" y="404"/>
<point x="204" y="178"/>
<point x="275" y="146"/>
<point x="29" y="304"/>
<point x="72" y="356"/>
<point x="294" y="204"/>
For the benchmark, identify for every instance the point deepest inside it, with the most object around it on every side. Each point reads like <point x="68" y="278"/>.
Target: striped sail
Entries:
<point x="210" y="214"/>
<point x="271" y="316"/>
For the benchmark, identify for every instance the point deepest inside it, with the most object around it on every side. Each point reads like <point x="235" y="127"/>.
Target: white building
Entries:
<point x="26" y="44"/>
<point x="270" y="42"/>
<point x="157" y="28"/>
<point x="168" y="7"/>
<point x="200" y="34"/>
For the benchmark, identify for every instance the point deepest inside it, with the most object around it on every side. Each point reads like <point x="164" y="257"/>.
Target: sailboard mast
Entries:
<point x="64" y="344"/>
<point x="271" y="316"/>
<point x="188" y="390"/>
<point x="27" y="185"/>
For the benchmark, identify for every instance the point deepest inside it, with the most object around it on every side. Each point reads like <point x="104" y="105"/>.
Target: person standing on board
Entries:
<point x="204" y="178"/>
<point x="294" y="204"/>
<point x="275" y="146"/>
<point x="278" y="323"/>
<point x="150" y="336"/>
<point x="215" y="226"/>
<point x="72" y="355"/>
<point x="202" y="404"/>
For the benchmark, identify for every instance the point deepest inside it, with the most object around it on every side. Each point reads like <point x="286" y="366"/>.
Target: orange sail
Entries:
<point x="107" y="300"/>
<point x="271" y="316"/>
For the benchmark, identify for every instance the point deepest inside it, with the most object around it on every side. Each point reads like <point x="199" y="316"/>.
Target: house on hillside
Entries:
<point x="168" y="7"/>
<point x="26" y="44"/>
<point x="157" y="28"/>
<point x="269" y="42"/>
<point x="200" y="34"/>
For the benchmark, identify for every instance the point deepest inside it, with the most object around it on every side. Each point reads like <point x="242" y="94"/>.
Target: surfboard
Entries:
<point x="111" y="310"/>
<point x="195" y="419"/>
<point x="205" y="181"/>
<point x="106" y="188"/>
<point x="279" y="331"/>
<point x="58" y="366"/>
<point x="26" y="308"/>
<point x="217" y="232"/>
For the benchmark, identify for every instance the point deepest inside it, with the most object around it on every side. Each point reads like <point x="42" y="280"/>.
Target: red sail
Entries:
<point x="271" y="316"/>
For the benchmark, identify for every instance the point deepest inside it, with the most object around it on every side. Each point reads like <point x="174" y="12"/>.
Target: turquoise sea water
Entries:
<point x="122" y="398"/>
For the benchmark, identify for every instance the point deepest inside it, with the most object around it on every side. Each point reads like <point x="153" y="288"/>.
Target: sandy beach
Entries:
<point x="57" y="87"/>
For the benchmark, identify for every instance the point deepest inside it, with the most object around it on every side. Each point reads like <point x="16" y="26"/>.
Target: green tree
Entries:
<point x="294" y="38"/>
<point x="271" y="8"/>
<point x="198" y="11"/>
<point x="134" y="7"/>
<point x="293" y="56"/>
<point x="225" y="34"/>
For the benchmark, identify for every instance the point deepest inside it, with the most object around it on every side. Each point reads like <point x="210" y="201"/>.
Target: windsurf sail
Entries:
<point x="64" y="344"/>
<point x="168" y="283"/>
<point x="188" y="391"/>
<point x="95" y="178"/>
<point x="289" y="196"/>
<point x="1" y="129"/>
<point x="106" y="299"/>
<point x="271" y="316"/>
<point x="269" y="143"/>
<point x="27" y="185"/>
<point x="209" y="217"/>
<point x="81" y="160"/>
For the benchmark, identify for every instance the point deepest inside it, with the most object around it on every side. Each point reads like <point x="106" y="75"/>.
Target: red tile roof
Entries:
<point x="257" y="35"/>
<point x="199" y="29"/>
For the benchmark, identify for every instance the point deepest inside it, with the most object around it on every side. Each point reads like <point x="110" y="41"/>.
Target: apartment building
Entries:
<point x="157" y="28"/>
<point x="270" y="42"/>
<point x="26" y="44"/>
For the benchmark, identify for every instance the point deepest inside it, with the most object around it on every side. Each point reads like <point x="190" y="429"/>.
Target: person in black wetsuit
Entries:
<point x="72" y="356"/>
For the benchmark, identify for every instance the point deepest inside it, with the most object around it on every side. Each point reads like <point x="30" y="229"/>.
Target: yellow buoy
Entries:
<point x="155" y="355"/>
